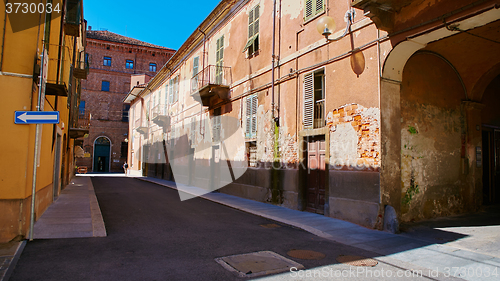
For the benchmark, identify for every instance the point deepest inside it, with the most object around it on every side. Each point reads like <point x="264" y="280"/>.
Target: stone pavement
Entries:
<point x="400" y="250"/>
<point x="75" y="214"/>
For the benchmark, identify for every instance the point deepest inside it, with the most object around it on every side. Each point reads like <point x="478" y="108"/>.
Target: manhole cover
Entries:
<point x="357" y="261"/>
<point x="306" y="254"/>
<point x="270" y="225"/>
<point x="257" y="264"/>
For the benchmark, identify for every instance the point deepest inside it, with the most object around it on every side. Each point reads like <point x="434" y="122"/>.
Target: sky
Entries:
<point x="165" y="23"/>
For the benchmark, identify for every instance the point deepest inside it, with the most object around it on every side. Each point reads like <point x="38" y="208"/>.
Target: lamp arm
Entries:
<point x="349" y="15"/>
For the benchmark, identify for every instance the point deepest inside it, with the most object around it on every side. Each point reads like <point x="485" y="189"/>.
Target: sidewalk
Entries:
<point x="75" y="214"/>
<point x="398" y="250"/>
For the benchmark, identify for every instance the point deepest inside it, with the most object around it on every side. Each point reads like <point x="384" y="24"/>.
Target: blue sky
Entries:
<point x="166" y="23"/>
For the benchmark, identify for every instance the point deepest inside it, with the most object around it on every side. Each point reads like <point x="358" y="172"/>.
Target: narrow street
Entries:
<point x="152" y="235"/>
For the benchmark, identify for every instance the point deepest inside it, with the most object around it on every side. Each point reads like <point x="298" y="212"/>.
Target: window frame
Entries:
<point x="252" y="45"/>
<point x="106" y="59"/>
<point x="129" y="63"/>
<point x="152" y="64"/>
<point x="309" y="98"/>
<point x="315" y="12"/>
<point x="103" y="87"/>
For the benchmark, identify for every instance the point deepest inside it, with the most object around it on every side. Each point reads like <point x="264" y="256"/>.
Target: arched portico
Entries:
<point x="102" y="154"/>
<point x="438" y="41"/>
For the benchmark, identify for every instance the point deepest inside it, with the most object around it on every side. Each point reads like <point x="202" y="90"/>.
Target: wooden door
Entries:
<point x="315" y="184"/>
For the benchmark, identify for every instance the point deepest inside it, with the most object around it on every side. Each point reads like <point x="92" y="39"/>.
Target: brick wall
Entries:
<point x="106" y="107"/>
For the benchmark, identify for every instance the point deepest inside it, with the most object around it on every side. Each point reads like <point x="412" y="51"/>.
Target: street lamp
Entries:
<point x="326" y="26"/>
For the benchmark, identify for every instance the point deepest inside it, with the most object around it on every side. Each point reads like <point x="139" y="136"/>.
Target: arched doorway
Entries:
<point x="102" y="154"/>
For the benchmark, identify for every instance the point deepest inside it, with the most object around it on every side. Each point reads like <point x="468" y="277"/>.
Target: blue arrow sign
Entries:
<point x="36" y="117"/>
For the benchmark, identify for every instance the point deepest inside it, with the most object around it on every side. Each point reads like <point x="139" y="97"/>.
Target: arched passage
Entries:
<point x="102" y="154"/>
<point x="395" y="177"/>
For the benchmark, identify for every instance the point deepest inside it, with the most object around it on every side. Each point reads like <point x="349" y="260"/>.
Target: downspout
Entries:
<point x="275" y="184"/>
<point x="37" y="134"/>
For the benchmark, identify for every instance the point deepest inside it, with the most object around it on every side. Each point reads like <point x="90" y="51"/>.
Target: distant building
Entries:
<point x="113" y="59"/>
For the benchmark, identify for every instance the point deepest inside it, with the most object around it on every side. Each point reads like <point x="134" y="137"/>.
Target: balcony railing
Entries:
<point x="82" y="67"/>
<point x="212" y="81"/>
<point x="160" y="116"/>
<point x="73" y="18"/>
<point x="80" y="126"/>
<point x="141" y="126"/>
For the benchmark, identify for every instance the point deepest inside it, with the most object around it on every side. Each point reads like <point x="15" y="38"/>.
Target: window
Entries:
<point x="219" y="60"/>
<point x="129" y="64"/>
<point x="81" y="109"/>
<point x="251" y="147"/>
<point x="314" y="100"/>
<point x="216" y="125"/>
<point x="174" y="90"/>
<point x="107" y="61"/>
<point x="194" y="81"/>
<point x="87" y="60"/>
<point x="313" y="8"/>
<point x="125" y="111"/>
<point x="124" y="149"/>
<point x="251" y="116"/>
<point x="252" y="45"/>
<point x="152" y="67"/>
<point x="105" y="86"/>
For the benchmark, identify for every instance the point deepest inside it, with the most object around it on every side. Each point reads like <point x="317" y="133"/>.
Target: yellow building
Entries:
<point x="57" y="27"/>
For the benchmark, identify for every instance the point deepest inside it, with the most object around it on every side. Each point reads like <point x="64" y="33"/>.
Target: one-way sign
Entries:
<point x="36" y="117"/>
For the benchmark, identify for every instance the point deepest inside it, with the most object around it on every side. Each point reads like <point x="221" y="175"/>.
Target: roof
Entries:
<point x="134" y="92"/>
<point x="113" y="37"/>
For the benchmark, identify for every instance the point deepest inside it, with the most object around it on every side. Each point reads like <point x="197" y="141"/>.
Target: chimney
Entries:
<point x="90" y="27"/>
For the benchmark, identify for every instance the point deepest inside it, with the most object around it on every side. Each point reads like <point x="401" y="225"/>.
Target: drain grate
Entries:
<point x="306" y="254"/>
<point x="357" y="260"/>
<point x="257" y="264"/>
<point x="270" y="225"/>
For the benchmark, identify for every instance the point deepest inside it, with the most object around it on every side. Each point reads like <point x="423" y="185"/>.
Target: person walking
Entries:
<point x="125" y="167"/>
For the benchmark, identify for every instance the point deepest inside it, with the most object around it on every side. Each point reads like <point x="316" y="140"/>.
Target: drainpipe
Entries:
<point x="37" y="134"/>
<point x="273" y="59"/>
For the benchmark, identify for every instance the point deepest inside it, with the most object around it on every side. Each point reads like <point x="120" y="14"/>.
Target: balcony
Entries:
<point x="81" y="69"/>
<point x="59" y="71"/>
<point x="381" y="12"/>
<point x="213" y="81"/>
<point x="73" y="18"/>
<point x="141" y="127"/>
<point x="80" y="126"/>
<point x="160" y="116"/>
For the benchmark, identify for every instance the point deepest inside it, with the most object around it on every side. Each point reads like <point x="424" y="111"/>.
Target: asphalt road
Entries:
<point x="152" y="235"/>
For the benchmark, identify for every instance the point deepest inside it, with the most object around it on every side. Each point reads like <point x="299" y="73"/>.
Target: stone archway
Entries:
<point x="390" y="105"/>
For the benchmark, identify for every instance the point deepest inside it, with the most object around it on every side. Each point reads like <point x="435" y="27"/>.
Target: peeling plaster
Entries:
<point x="292" y="8"/>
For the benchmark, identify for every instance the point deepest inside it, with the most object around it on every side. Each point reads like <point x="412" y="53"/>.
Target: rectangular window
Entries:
<point x="124" y="149"/>
<point x="252" y="45"/>
<point x="107" y="61"/>
<point x="251" y="116"/>
<point x="251" y="147"/>
<point x="125" y="111"/>
<point x="194" y="81"/>
<point x="219" y="60"/>
<point x="152" y="67"/>
<point x="174" y="90"/>
<point x="129" y="64"/>
<point x="81" y="108"/>
<point x="216" y="125"/>
<point x="105" y="86"/>
<point x="314" y="100"/>
<point x="87" y="60"/>
<point x="313" y="8"/>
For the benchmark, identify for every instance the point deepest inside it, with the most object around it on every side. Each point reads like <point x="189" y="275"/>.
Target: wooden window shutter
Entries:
<point x="171" y="92"/>
<point x="250" y="24"/>
<point x="256" y="20"/>
<point x="308" y="101"/>
<point x="196" y="62"/>
<point x="176" y="89"/>
<point x="254" y="116"/>
<point x="308" y="9"/>
<point x="320" y="6"/>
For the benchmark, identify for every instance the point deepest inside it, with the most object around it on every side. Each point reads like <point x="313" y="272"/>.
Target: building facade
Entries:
<point x="113" y="59"/>
<point x="391" y="120"/>
<point x="50" y="46"/>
